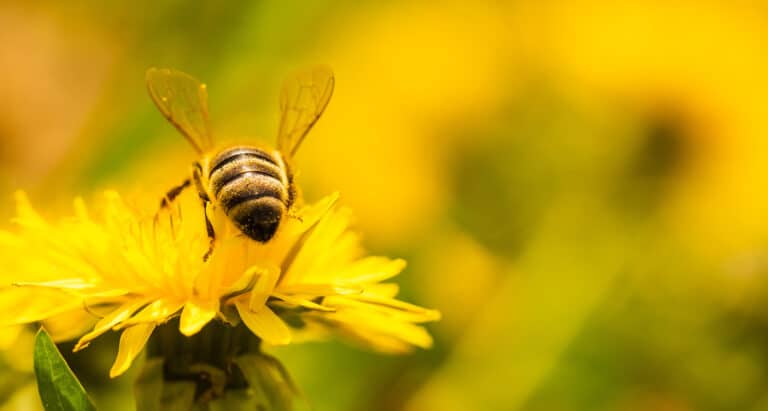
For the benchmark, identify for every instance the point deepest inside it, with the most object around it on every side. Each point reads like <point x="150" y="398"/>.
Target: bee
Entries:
<point x="254" y="186"/>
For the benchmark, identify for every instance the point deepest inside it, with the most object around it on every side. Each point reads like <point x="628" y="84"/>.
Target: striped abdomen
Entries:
<point x="252" y="187"/>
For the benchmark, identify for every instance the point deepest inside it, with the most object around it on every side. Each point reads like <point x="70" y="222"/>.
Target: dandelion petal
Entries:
<point x="195" y="316"/>
<point x="70" y="284"/>
<point x="321" y="289"/>
<point x="265" y="324"/>
<point x="115" y="317"/>
<point x="158" y="311"/>
<point x="372" y="270"/>
<point x="26" y="215"/>
<point x="302" y="302"/>
<point x="132" y="341"/>
<point x="265" y="285"/>
<point x="30" y="305"/>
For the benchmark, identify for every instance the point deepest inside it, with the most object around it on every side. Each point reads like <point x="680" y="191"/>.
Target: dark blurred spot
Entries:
<point x="492" y="200"/>
<point x="545" y="155"/>
<point x="535" y="151"/>
<point x="663" y="148"/>
<point x="656" y="162"/>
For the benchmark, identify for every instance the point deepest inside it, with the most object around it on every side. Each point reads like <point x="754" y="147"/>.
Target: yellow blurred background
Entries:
<point x="578" y="185"/>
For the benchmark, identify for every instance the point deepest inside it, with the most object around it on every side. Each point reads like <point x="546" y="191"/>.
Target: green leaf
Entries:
<point x="58" y="387"/>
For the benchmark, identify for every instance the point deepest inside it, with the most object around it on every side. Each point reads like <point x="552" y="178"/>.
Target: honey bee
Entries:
<point x="253" y="185"/>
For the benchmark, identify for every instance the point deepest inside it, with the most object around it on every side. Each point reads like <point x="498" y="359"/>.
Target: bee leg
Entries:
<point x="196" y="175"/>
<point x="291" y="214"/>
<point x="293" y="194"/>
<point x="171" y="195"/>
<point x="209" y="230"/>
<point x="168" y="199"/>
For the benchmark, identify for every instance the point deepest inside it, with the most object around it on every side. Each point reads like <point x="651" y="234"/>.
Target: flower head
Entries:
<point x="130" y="270"/>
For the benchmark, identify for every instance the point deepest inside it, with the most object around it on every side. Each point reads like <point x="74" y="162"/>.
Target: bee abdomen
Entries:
<point x="241" y="153"/>
<point x="257" y="217"/>
<point x="251" y="187"/>
<point x="244" y="171"/>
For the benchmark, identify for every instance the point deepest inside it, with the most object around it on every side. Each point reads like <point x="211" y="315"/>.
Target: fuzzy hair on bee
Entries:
<point x="254" y="186"/>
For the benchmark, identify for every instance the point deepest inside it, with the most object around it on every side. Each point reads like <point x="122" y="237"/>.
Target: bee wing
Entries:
<point x="302" y="101"/>
<point x="183" y="100"/>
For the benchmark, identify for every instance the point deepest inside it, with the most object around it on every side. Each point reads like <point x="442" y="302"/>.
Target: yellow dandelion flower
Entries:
<point x="132" y="270"/>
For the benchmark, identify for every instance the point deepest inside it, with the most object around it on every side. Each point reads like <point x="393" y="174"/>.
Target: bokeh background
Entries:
<point x="579" y="186"/>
